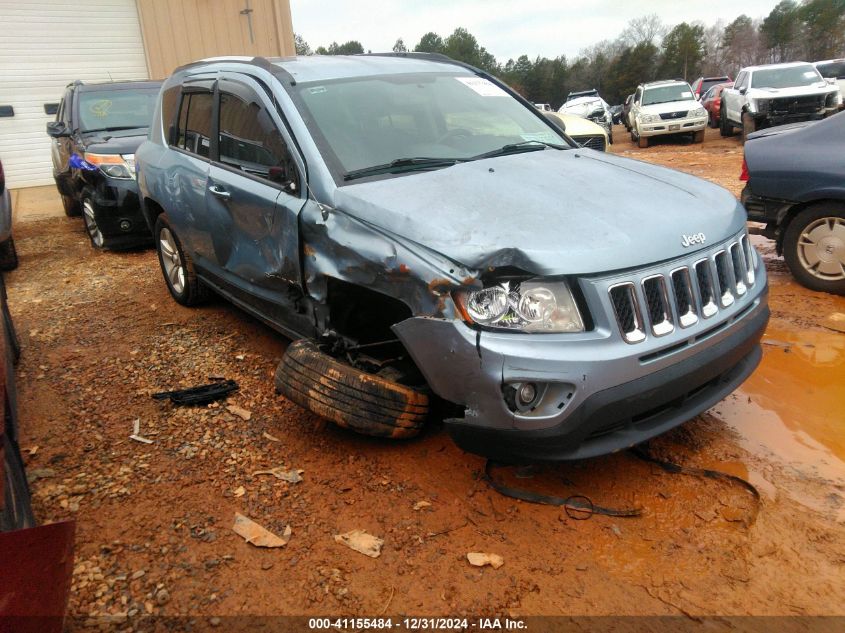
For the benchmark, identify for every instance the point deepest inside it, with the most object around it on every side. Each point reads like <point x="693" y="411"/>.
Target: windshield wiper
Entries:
<point x="400" y="165"/>
<point x="515" y="148"/>
<point x="115" y="128"/>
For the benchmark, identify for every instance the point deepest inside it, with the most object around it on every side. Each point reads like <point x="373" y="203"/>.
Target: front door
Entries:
<point x="253" y="198"/>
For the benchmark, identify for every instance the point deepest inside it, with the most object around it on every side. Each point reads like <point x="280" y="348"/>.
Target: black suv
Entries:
<point x="97" y="129"/>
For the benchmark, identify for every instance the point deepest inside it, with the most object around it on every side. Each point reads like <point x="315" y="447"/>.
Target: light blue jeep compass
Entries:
<point x="438" y="248"/>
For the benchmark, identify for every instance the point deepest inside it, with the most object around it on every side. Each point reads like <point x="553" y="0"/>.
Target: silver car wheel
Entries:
<point x="171" y="261"/>
<point x="91" y="224"/>
<point x="821" y="248"/>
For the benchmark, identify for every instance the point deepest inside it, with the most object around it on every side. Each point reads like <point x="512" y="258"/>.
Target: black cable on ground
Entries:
<point x="671" y="467"/>
<point x="577" y="507"/>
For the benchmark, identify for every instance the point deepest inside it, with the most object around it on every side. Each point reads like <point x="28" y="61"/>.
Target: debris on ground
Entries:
<point x="272" y="438"/>
<point x="480" y="559"/>
<point x="362" y="542"/>
<point x="136" y="433"/>
<point x="292" y="476"/>
<point x="203" y="394"/>
<point x="835" y="321"/>
<point x="240" y="491"/>
<point x="257" y="535"/>
<point x="419" y="505"/>
<point x="242" y="413"/>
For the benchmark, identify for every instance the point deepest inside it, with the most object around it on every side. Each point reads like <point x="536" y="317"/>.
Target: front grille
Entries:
<point x="797" y="105"/>
<point x="596" y="142"/>
<point x="671" y="116"/>
<point x="655" y="303"/>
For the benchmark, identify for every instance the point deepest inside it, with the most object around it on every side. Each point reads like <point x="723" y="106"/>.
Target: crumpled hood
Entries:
<point x="794" y="91"/>
<point x="548" y="212"/>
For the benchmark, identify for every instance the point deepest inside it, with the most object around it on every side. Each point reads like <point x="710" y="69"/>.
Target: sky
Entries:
<point x="505" y="29"/>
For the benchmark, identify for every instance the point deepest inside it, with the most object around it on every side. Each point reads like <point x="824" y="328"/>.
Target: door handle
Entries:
<point x="220" y="192"/>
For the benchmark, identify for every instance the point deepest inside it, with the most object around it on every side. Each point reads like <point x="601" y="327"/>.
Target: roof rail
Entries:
<point x="261" y="62"/>
<point x="440" y="57"/>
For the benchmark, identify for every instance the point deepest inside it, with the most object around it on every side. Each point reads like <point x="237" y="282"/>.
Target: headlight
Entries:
<point x="647" y="118"/>
<point x="113" y="165"/>
<point x="760" y="105"/>
<point x="529" y="306"/>
<point x="697" y="112"/>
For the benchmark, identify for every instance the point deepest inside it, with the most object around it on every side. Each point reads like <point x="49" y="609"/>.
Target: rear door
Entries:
<point x="732" y="99"/>
<point x="254" y="197"/>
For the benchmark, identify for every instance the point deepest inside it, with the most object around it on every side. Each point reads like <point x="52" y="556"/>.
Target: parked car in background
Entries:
<point x="36" y="561"/>
<point x="430" y="251"/>
<point x="834" y="69"/>
<point x="626" y="111"/>
<point x="616" y="114"/>
<point x="97" y="129"/>
<point x="661" y="108"/>
<point x="589" y="105"/>
<point x="8" y="253"/>
<point x="712" y="102"/>
<point x="545" y="107"/>
<point x="775" y="94"/>
<point x="701" y="85"/>
<point x="582" y="131"/>
<point x="795" y="184"/>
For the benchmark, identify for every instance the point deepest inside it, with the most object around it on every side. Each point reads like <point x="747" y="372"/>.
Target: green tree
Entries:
<point x="430" y="43"/>
<point x="741" y="44"/>
<point x="781" y="30"/>
<point x="631" y="67"/>
<point x="683" y="51"/>
<point x="824" y="28"/>
<point x="300" y="45"/>
<point x="399" y="46"/>
<point x="461" y="45"/>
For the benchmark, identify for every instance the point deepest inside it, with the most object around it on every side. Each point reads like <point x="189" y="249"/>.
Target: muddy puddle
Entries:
<point x="791" y="410"/>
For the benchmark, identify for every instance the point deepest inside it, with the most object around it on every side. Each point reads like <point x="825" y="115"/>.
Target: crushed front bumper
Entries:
<point x="598" y="393"/>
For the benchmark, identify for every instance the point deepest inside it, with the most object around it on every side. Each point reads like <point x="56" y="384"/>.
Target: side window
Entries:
<point x="740" y="81"/>
<point x="169" y="104"/>
<point x="195" y="123"/>
<point x="60" y="113"/>
<point x="250" y="141"/>
<point x="638" y="96"/>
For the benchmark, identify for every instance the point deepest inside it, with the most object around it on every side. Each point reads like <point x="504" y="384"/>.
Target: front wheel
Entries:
<point x="71" y="206"/>
<point x="91" y="227"/>
<point x="642" y="141"/>
<point x="725" y="128"/>
<point x="177" y="266"/>
<point x="814" y="247"/>
<point x="698" y="137"/>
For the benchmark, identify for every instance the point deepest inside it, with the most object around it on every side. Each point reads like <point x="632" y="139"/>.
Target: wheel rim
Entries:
<point x="91" y="224"/>
<point x="171" y="261"/>
<point x="821" y="248"/>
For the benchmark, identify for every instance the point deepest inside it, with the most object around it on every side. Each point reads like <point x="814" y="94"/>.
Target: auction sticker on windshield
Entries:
<point x="482" y="86"/>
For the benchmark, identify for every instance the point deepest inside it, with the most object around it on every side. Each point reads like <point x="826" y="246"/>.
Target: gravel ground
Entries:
<point x="100" y="334"/>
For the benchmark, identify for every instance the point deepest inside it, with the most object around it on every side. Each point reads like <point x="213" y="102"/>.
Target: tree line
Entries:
<point x="647" y="49"/>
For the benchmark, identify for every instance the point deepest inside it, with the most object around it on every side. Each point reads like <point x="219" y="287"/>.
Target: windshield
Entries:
<point x="832" y="70"/>
<point x="785" y="77"/>
<point x="665" y="94"/>
<point x="109" y="109"/>
<point x="709" y="83"/>
<point x="363" y="122"/>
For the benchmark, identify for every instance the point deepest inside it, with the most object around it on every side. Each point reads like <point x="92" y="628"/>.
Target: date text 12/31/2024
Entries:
<point x="417" y="624"/>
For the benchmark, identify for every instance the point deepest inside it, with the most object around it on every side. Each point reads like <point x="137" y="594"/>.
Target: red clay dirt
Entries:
<point x="100" y="334"/>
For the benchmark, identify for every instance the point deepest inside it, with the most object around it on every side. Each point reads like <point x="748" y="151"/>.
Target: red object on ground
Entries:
<point x="35" y="571"/>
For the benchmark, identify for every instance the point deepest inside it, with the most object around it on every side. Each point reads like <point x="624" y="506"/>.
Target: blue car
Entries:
<point x="438" y="248"/>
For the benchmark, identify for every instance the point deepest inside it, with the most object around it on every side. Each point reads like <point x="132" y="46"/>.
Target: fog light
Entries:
<point x="526" y="393"/>
<point x="125" y="225"/>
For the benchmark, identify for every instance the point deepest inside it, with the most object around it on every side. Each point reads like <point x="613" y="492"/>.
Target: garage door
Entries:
<point x="45" y="45"/>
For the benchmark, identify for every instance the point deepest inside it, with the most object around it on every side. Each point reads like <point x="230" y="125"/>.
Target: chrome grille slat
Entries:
<point x="627" y="310"/>
<point x="697" y="289"/>
<point x="657" y="305"/>
<point x="724" y="275"/>
<point x="739" y="268"/>
<point x="684" y="297"/>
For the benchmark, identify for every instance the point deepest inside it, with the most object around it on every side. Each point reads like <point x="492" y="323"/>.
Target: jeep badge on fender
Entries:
<point x="695" y="238"/>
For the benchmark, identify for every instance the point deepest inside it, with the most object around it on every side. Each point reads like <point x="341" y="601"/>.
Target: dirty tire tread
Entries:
<point x="391" y="402"/>
<point x="790" y="246"/>
<point x="348" y="397"/>
<point x="328" y="396"/>
<point x="72" y="208"/>
<point x="8" y="255"/>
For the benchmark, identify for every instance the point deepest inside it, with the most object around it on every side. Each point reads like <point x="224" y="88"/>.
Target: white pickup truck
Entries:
<point x="764" y="96"/>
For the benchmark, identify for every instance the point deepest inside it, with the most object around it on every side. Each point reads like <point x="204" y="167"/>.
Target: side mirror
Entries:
<point x="57" y="129"/>
<point x="742" y="91"/>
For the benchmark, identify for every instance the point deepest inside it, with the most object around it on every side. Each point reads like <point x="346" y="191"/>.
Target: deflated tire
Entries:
<point x="350" y="398"/>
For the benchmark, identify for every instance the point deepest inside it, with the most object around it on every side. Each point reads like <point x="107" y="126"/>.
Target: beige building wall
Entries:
<point x="177" y="32"/>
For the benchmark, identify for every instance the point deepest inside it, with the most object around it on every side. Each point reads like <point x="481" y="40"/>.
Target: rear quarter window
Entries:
<point x="169" y="106"/>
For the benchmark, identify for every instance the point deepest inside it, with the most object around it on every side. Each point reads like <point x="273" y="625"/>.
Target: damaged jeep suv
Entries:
<point x="436" y="244"/>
